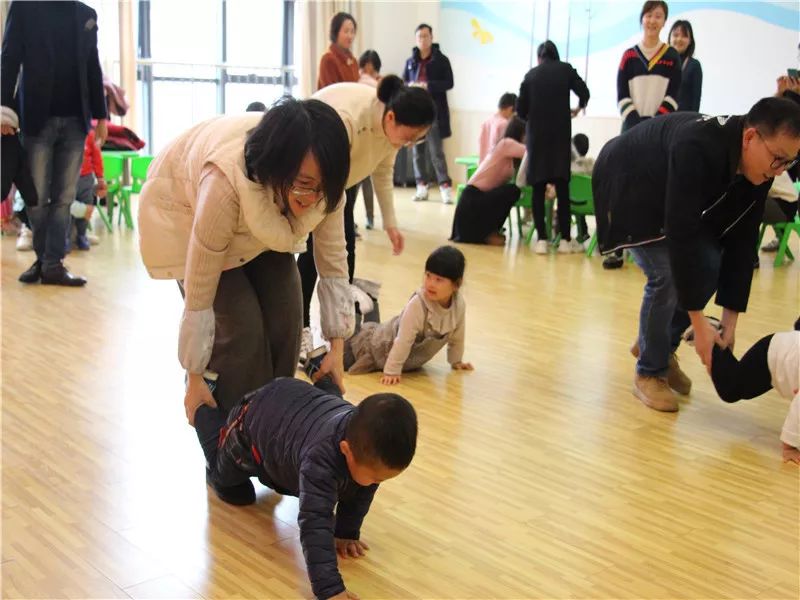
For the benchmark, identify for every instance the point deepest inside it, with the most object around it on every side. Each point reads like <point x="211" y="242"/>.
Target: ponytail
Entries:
<point x="412" y="106"/>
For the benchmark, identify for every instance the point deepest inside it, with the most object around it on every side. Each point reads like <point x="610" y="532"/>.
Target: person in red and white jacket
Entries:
<point x="91" y="184"/>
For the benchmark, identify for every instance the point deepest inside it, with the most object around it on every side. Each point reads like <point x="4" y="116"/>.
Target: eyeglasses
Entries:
<point x="412" y="143"/>
<point x="778" y="163"/>
<point x="301" y="192"/>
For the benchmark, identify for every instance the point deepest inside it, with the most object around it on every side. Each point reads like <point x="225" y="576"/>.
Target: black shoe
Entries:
<point x="242" y="494"/>
<point x="60" y="276"/>
<point x="613" y="262"/>
<point x="33" y="274"/>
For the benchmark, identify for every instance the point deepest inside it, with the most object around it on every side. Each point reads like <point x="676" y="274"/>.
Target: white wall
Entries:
<point x="743" y="47"/>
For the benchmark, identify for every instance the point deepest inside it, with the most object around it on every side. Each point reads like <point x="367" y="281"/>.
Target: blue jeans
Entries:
<point x="433" y="145"/>
<point x="55" y="155"/>
<point x="661" y="320"/>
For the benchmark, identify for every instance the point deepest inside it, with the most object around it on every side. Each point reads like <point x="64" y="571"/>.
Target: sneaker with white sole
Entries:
<point x="93" y="239"/>
<point x="772" y="246"/>
<point x="569" y="247"/>
<point x="25" y="239"/>
<point x="446" y="192"/>
<point x="421" y="194"/>
<point x="541" y="247"/>
<point x="306" y="343"/>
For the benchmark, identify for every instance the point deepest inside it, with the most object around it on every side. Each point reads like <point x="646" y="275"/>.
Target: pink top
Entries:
<point x="492" y="132"/>
<point x="498" y="168"/>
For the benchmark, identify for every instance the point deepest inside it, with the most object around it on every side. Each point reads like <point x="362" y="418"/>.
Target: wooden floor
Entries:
<point x="538" y="475"/>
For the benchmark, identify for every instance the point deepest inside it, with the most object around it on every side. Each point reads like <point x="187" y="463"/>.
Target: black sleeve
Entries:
<point x="696" y="84"/>
<point x="406" y="76"/>
<point x="318" y="494"/>
<point x="350" y="512"/>
<point x="13" y="53"/>
<point x="97" y="96"/>
<point x="688" y="167"/>
<point x="738" y="255"/>
<point x="578" y="85"/>
<point x="437" y="86"/>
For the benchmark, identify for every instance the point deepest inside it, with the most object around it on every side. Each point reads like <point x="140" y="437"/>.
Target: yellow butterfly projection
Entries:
<point x="480" y="34"/>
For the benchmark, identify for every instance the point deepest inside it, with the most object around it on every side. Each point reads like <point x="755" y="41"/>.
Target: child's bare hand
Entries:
<point x="390" y="379"/>
<point x="790" y="453"/>
<point x="101" y="189"/>
<point x="350" y="548"/>
<point x="89" y="211"/>
<point x="345" y="595"/>
<point x="462" y="366"/>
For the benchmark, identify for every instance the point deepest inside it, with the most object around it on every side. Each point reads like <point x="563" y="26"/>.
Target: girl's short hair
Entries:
<point x="336" y="24"/>
<point x="370" y="57"/>
<point x="447" y="261"/>
<point x="507" y="100"/>
<point x="412" y="106"/>
<point x="276" y="147"/>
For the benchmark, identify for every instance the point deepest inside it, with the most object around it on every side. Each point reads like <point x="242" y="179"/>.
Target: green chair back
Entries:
<point x="112" y="168"/>
<point x="139" y="166"/>
<point x="580" y="194"/>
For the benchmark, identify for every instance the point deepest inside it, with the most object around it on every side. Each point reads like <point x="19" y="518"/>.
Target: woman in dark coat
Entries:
<point x="681" y="37"/>
<point x="544" y="101"/>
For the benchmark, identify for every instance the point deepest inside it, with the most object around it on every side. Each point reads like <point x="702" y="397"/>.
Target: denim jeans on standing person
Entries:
<point x="55" y="155"/>
<point x="661" y="320"/>
<point x="434" y="147"/>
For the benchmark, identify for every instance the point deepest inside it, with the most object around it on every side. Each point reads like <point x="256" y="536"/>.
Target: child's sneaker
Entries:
<point x="93" y="239"/>
<point x="82" y="243"/>
<point x="688" y="335"/>
<point x="421" y="194"/>
<point x="306" y="344"/>
<point x="541" y="247"/>
<point x="313" y="361"/>
<point x="446" y="192"/>
<point x="25" y="239"/>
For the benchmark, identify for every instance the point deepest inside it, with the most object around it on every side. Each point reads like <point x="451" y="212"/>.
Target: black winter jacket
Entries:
<point x="674" y="177"/>
<point x="440" y="79"/>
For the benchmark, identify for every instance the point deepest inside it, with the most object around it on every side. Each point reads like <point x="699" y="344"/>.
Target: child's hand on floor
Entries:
<point x="390" y="379"/>
<point x="350" y="548"/>
<point x="790" y="453"/>
<point x="462" y="366"/>
<point x="345" y="595"/>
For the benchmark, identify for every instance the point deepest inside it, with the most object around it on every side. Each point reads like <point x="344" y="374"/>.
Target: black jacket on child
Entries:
<point x="295" y="430"/>
<point x="440" y="79"/>
<point x="674" y="177"/>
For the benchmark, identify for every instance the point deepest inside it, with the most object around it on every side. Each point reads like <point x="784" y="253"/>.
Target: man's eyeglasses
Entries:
<point x="778" y="162"/>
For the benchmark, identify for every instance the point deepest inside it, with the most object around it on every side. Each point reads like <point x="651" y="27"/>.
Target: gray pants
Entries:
<point x="258" y="310"/>
<point x="434" y="146"/>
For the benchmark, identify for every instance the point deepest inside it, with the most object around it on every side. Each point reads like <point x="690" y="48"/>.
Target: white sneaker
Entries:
<point x="421" y="194"/>
<point x="25" y="239"/>
<point x="365" y="303"/>
<point x="569" y="247"/>
<point x="447" y="194"/>
<point x="306" y="343"/>
<point x="93" y="239"/>
<point x="541" y="247"/>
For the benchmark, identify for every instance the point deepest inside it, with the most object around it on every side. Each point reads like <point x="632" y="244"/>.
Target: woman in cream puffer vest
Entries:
<point x="225" y="207"/>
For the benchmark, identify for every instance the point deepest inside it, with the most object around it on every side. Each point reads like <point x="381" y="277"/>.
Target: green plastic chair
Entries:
<point x="112" y="173"/>
<point x="139" y="166"/>
<point x="582" y="202"/>
<point x="783" y="231"/>
<point x="471" y="168"/>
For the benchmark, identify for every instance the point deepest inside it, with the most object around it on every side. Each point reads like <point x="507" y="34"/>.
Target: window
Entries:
<point x="233" y="52"/>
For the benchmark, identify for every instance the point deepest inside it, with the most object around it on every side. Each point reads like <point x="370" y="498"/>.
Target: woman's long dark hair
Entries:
<point x="686" y="27"/>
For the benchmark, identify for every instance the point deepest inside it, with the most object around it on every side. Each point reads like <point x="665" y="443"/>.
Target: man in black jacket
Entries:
<point x="685" y="194"/>
<point x="305" y="440"/>
<point x="52" y="48"/>
<point x="429" y="68"/>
